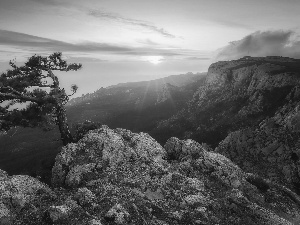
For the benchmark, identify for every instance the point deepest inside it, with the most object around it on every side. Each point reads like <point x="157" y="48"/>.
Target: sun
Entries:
<point x="154" y="59"/>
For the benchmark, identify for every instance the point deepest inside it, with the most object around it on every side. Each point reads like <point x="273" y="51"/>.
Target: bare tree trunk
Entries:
<point x="62" y="123"/>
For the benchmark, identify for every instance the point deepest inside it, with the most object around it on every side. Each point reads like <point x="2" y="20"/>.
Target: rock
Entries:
<point x="18" y="192"/>
<point x="57" y="213"/>
<point x="267" y="150"/>
<point x="6" y="216"/>
<point x="3" y="174"/>
<point x="178" y="150"/>
<point x="78" y="173"/>
<point x="28" y="186"/>
<point x="196" y="200"/>
<point x="62" y="213"/>
<point x="85" y="196"/>
<point x="18" y="201"/>
<point x="95" y="222"/>
<point x="193" y="186"/>
<point x="195" y="183"/>
<point x="117" y="214"/>
<point x="106" y="147"/>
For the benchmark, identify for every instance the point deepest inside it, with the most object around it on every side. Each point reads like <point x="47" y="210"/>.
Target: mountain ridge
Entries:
<point x="156" y="84"/>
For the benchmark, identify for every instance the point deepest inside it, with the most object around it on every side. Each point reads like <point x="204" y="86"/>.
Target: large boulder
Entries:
<point x="102" y="148"/>
<point x="20" y="192"/>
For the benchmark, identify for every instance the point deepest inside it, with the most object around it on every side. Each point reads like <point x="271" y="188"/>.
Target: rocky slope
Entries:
<point x="271" y="149"/>
<point x="120" y="177"/>
<point x="237" y="94"/>
<point x="137" y="106"/>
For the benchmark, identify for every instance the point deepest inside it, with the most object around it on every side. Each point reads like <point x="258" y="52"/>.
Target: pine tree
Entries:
<point x="35" y="85"/>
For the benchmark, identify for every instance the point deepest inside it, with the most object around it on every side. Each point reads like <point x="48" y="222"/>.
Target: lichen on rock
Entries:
<point x="119" y="177"/>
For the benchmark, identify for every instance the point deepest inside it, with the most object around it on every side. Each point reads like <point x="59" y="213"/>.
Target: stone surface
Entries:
<point x="271" y="151"/>
<point x="125" y="178"/>
<point x="20" y="193"/>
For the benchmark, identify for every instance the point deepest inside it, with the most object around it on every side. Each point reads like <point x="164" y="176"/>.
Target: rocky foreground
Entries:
<point x="120" y="177"/>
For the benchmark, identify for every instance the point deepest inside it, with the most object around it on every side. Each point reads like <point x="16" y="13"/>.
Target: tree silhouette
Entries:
<point x="35" y="85"/>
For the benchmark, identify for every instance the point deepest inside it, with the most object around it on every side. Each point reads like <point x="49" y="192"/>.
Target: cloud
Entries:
<point x="147" y="42"/>
<point x="197" y="58"/>
<point x="35" y="43"/>
<point x="23" y="45"/>
<point x="139" y="23"/>
<point x="16" y="42"/>
<point x="51" y="2"/>
<point x="263" y="43"/>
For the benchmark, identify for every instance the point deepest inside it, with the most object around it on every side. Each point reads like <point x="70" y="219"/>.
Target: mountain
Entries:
<point x="149" y="86"/>
<point x="138" y="106"/>
<point x="115" y="176"/>
<point x="236" y="94"/>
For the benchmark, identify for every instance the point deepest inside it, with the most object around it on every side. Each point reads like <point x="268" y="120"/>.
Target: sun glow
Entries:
<point x="154" y="59"/>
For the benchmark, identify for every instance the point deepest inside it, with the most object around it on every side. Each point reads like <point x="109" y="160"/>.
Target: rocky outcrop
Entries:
<point x="20" y="194"/>
<point x="120" y="177"/>
<point x="271" y="149"/>
<point x="101" y="149"/>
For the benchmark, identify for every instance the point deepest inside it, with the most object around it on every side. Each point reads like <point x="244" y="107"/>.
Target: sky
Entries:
<point x="134" y="40"/>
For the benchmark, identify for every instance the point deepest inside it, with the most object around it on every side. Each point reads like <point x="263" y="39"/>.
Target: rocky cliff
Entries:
<point x="237" y="94"/>
<point x="120" y="177"/>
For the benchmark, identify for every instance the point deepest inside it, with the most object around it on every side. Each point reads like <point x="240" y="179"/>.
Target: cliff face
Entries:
<point x="120" y="177"/>
<point x="253" y="79"/>
<point x="237" y="94"/>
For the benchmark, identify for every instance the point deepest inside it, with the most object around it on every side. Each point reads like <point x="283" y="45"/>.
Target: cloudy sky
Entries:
<point x="133" y="40"/>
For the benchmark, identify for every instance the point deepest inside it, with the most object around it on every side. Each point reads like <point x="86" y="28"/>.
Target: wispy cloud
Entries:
<point x="139" y="23"/>
<point x="16" y="39"/>
<point x="266" y="43"/>
<point x="50" y="2"/>
<point x="24" y="45"/>
<point x="30" y="44"/>
<point x="148" y="42"/>
<point x="197" y="58"/>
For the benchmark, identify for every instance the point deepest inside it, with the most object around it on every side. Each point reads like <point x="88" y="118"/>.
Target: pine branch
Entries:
<point x="13" y="95"/>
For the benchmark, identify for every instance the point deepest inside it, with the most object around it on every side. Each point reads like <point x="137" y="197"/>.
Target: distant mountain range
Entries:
<point x="138" y="106"/>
